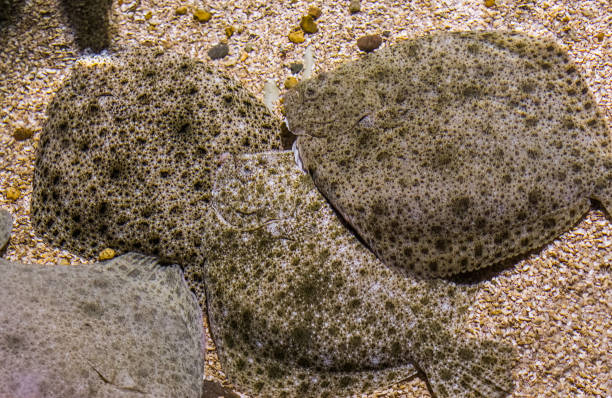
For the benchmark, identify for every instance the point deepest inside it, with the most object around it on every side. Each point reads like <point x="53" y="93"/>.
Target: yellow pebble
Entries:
<point x="489" y="3"/>
<point x="229" y="31"/>
<point x="148" y="15"/>
<point x="202" y="15"/>
<point x="106" y="254"/>
<point x="297" y="36"/>
<point x="308" y="24"/>
<point x="182" y="10"/>
<point x="600" y="36"/>
<point x="314" y="12"/>
<point x="291" y="82"/>
<point x="243" y="56"/>
<point x="12" y="193"/>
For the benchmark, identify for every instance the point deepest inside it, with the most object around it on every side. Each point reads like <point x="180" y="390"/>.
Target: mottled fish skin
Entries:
<point x="124" y="328"/>
<point x="299" y="307"/>
<point x="6" y="226"/>
<point x="124" y="157"/>
<point x="455" y="151"/>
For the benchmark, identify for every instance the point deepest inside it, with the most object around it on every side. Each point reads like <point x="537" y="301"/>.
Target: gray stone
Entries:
<point x="218" y="51"/>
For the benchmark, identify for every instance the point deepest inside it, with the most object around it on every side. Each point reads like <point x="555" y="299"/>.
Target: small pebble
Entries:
<point x="296" y="67"/>
<point x="291" y="82"/>
<point x="229" y="31"/>
<point x="106" y="254"/>
<point x="369" y="43"/>
<point x="249" y="47"/>
<point x="182" y="10"/>
<point x="148" y="15"/>
<point x="355" y="6"/>
<point x="600" y="36"/>
<point x="386" y="33"/>
<point x="489" y="3"/>
<point x="314" y="12"/>
<point x="308" y="24"/>
<point x="297" y="36"/>
<point x="202" y="15"/>
<point x="22" y="133"/>
<point x="219" y="51"/>
<point x="12" y="193"/>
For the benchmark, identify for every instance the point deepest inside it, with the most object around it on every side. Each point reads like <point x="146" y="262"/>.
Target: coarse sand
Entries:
<point x="555" y="305"/>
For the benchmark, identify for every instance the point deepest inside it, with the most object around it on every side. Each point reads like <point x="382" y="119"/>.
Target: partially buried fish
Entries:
<point x="124" y="328"/>
<point x="454" y="151"/>
<point x="299" y="307"/>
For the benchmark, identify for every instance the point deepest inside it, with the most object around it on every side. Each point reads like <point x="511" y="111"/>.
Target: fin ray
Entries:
<point x="471" y="368"/>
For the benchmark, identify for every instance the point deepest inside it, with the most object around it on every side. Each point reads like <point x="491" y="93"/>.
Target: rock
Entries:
<point x="489" y="3"/>
<point x="490" y="166"/>
<point x="314" y="12"/>
<point x="296" y="67"/>
<point x="309" y="61"/>
<point x="300" y="308"/>
<point x="249" y="48"/>
<point x="229" y="31"/>
<point x="124" y="328"/>
<point x="218" y="51"/>
<point x="308" y="24"/>
<point x="6" y="225"/>
<point x="355" y="6"/>
<point x="296" y="36"/>
<point x="12" y="193"/>
<point x="90" y="20"/>
<point x="369" y="43"/>
<point x="291" y="82"/>
<point x="201" y="15"/>
<point x="132" y="187"/>
<point x="106" y="254"/>
<point x="23" y="133"/>
<point x="271" y="94"/>
<point x="181" y="10"/>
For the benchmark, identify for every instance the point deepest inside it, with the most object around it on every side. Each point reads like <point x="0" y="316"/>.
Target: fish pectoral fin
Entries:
<point x="468" y="368"/>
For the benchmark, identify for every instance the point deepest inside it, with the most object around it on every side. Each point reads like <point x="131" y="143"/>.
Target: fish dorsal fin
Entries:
<point x="140" y="266"/>
<point x="6" y="225"/>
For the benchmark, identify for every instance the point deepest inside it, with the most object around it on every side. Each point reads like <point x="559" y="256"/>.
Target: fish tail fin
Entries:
<point x="469" y="368"/>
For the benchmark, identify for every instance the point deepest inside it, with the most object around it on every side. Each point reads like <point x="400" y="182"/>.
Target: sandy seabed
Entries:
<point x="554" y="306"/>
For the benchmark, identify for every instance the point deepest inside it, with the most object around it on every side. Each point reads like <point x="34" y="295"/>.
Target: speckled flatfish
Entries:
<point x="454" y="151"/>
<point x="299" y="307"/>
<point x="124" y="328"/>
